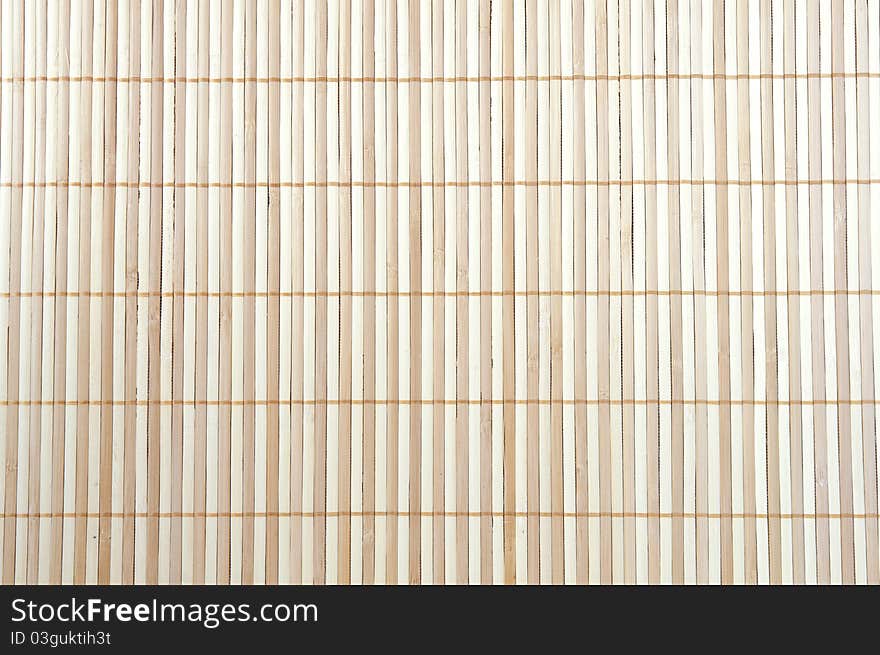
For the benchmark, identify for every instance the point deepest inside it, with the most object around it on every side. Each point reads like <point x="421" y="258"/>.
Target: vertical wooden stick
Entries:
<point x="486" y="477"/>
<point x="37" y="283"/>
<point x="345" y="284"/>
<point x="675" y="327"/>
<point x="178" y="354"/>
<point x="582" y="533"/>
<point x="10" y="498"/>
<point x="201" y="337"/>
<point x="627" y="282"/>
<point x="393" y="336"/>
<point x="320" y="493"/>
<point x="462" y="388"/>
<point x="155" y="301"/>
<point x="297" y="364"/>
<point x="60" y="351"/>
<point x="841" y="301"/>
<point x="439" y="303"/>
<point x="699" y="234"/>
<point x="768" y="156"/>
<point x="555" y="155"/>
<point x="249" y="305"/>
<point x="604" y="305"/>
<point x="415" y="302"/>
<point x="533" y="353"/>
<point x="84" y="301"/>
<point x="507" y="172"/>
<point x="795" y="416"/>
<point x="746" y="302"/>
<point x="108" y="236"/>
<point x="866" y="321"/>
<point x="817" y="331"/>
<point x="723" y="275"/>
<point x="369" y="273"/>
<point x="652" y="386"/>
<point x="224" y="464"/>
<point x="273" y="337"/>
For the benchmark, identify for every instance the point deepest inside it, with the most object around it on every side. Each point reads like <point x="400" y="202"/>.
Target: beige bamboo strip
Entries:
<point x="675" y="310"/>
<point x="107" y="306"/>
<point x="224" y="463"/>
<point x="248" y="370"/>
<point x="722" y="267"/>
<point x="698" y="231"/>
<point x="155" y="308"/>
<point x="273" y="337"/>
<point x="462" y="332"/>
<point x="37" y="309"/>
<point x="438" y="538"/>
<point x="415" y="283"/>
<point x="795" y="418"/>
<point x="841" y="305"/>
<point x="627" y="282"/>
<point x="817" y="329"/>
<point x="297" y="364"/>
<point x="345" y="309"/>
<point x="486" y="424"/>
<point x="84" y="305"/>
<point x="369" y="280"/>
<point x="507" y="281"/>
<point x="651" y="309"/>
<point x="200" y="438"/>
<point x="768" y="156"/>
<point x="179" y="250"/>
<point x="603" y="321"/>
<point x="746" y="306"/>
<point x="10" y="497"/>
<point x="319" y="527"/>
<point x="582" y="530"/>
<point x="866" y="321"/>
<point x="557" y="562"/>
<point x="60" y="353"/>
<point x="392" y="388"/>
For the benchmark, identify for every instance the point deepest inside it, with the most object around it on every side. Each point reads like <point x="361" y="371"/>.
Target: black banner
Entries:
<point x="285" y="619"/>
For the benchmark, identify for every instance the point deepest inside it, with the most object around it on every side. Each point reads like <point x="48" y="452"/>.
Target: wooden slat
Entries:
<point x="817" y="324"/>
<point x="462" y="351"/>
<point x="507" y="280"/>
<point x="392" y="388"/>
<point x="486" y="425"/>
<point x="793" y="306"/>
<point x="768" y="156"/>
<point x="866" y="320"/>
<point x="438" y="537"/>
<point x="369" y="280"/>
<point x="723" y="272"/>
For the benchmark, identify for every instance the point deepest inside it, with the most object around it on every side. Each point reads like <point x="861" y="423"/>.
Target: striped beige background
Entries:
<point x="369" y="291"/>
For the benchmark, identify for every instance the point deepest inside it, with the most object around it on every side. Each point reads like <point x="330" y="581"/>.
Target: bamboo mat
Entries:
<point x="369" y="291"/>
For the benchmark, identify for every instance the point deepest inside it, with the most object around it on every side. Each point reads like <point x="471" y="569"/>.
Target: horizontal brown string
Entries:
<point x="429" y="79"/>
<point x="342" y="184"/>
<point x="439" y="401"/>
<point x="614" y="293"/>
<point x="439" y="514"/>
